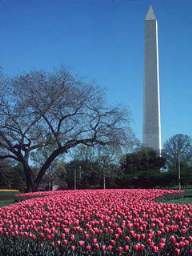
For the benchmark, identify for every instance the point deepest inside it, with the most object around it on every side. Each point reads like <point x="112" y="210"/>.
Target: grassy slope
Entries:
<point x="6" y="202"/>
<point x="7" y="197"/>
<point x="183" y="198"/>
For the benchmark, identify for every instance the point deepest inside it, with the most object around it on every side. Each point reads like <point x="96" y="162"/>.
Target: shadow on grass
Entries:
<point x="7" y="198"/>
<point x="6" y="202"/>
<point x="184" y="197"/>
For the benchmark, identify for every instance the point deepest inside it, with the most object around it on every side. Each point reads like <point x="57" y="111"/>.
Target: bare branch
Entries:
<point x="50" y="113"/>
<point x="8" y="156"/>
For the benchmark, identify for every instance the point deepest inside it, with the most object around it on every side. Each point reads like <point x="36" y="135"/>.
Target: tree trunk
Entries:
<point x="46" y="165"/>
<point x="179" y="173"/>
<point x="28" y="177"/>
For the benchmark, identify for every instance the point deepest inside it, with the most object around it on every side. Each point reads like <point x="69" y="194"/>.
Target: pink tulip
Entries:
<point x="88" y="248"/>
<point x="112" y="220"/>
<point x="126" y="248"/>
<point x="177" y="251"/>
<point x="73" y="247"/>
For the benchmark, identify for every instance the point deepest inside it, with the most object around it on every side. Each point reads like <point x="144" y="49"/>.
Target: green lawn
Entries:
<point x="7" y="197"/>
<point x="6" y="202"/>
<point x="182" y="198"/>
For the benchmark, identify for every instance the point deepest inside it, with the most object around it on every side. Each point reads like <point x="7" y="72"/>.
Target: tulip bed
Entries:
<point x="96" y="222"/>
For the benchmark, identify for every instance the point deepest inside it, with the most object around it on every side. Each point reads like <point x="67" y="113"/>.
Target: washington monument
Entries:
<point x="151" y="122"/>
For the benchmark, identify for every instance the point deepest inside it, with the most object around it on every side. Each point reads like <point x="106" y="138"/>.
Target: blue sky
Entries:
<point x="102" y="41"/>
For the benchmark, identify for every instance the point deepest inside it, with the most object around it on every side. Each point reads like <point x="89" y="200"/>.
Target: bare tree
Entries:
<point x="177" y="150"/>
<point x="54" y="112"/>
<point x="177" y="147"/>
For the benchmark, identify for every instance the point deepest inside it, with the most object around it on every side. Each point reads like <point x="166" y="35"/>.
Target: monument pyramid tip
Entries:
<point x="150" y="14"/>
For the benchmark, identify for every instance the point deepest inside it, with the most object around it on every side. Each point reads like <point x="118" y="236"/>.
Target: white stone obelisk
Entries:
<point x="151" y="122"/>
